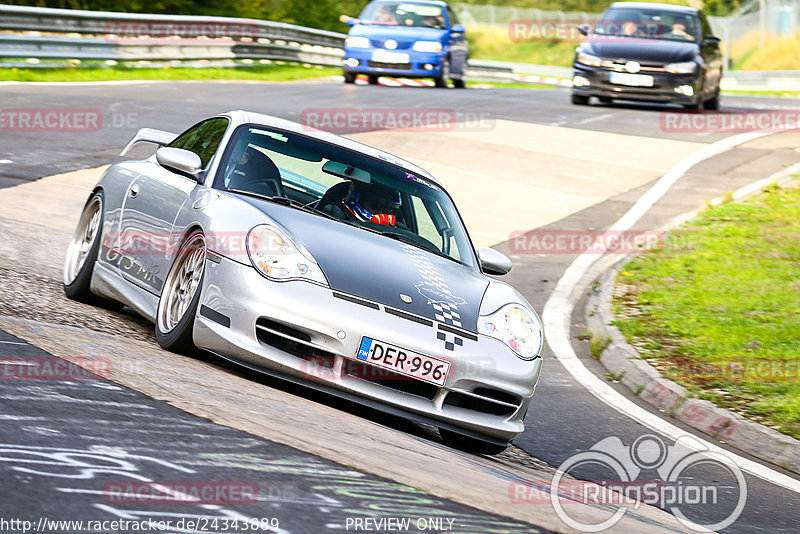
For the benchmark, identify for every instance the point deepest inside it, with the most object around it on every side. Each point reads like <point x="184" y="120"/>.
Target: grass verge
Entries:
<point x="492" y="42"/>
<point x="717" y="309"/>
<point x="275" y="73"/>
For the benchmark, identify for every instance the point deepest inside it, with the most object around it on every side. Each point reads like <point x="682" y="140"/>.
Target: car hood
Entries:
<point x="380" y="269"/>
<point x="398" y="33"/>
<point x="641" y="50"/>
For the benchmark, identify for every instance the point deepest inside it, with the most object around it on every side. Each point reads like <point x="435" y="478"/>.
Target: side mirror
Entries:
<point x="584" y="29"/>
<point x="350" y="21"/>
<point x="458" y="28"/>
<point x="493" y="262"/>
<point x="180" y="160"/>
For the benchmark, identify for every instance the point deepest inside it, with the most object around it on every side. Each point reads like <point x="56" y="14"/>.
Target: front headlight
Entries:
<point x="428" y="46"/>
<point x="687" y="67"/>
<point x="517" y="327"/>
<point x="588" y="59"/>
<point x="277" y="257"/>
<point x="356" y="42"/>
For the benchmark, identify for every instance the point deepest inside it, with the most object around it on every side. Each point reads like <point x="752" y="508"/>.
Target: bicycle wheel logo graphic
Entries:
<point x="620" y="477"/>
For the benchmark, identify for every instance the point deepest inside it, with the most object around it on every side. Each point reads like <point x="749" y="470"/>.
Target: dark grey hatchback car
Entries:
<point x="649" y="52"/>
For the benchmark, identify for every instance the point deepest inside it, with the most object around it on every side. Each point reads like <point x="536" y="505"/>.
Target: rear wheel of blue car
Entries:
<point x="459" y="83"/>
<point x="179" y="299"/>
<point x="444" y="77"/>
<point x="468" y="444"/>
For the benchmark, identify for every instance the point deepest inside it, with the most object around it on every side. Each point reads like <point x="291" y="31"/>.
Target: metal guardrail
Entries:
<point x="95" y="35"/>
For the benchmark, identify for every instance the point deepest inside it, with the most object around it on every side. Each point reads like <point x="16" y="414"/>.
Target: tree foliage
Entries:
<point x="313" y="13"/>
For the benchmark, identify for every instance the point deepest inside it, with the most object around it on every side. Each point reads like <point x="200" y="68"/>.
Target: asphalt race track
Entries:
<point x="542" y="163"/>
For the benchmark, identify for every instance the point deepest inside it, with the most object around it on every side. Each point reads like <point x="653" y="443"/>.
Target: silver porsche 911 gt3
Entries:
<point x="317" y="259"/>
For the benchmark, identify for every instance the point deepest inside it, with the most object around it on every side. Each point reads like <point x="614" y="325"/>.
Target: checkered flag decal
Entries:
<point x="444" y="312"/>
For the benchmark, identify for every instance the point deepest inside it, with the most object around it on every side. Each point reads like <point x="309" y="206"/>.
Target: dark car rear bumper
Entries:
<point x="667" y="88"/>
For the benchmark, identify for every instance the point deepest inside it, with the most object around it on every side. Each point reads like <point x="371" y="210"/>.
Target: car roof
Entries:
<point x="650" y="5"/>
<point x="239" y="117"/>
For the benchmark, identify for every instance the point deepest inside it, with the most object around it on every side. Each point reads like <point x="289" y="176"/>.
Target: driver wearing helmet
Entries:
<point x="373" y="203"/>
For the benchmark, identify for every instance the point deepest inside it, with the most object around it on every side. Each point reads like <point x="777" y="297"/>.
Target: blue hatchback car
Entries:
<point x="414" y="39"/>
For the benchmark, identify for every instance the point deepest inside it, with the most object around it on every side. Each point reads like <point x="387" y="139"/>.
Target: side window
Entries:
<point x="203" y="138"/>
<point x="452" y="15"/>
<point x="425" y="225"/>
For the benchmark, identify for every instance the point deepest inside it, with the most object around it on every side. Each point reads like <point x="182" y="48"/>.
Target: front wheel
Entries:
<point x="468" y="444"/>
<point x="373" y="79"/>
<point x="444" y="77"/>
<point x="180" y="296"/>
<point x="82" y="252"/>
<point x="713" y="103"/>
<point x="580" y="100"/>
<point x="349" y="77"/>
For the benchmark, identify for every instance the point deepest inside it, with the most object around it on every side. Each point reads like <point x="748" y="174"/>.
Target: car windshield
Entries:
<point x="648" y="24"/>
<point x="345" y="185"/>
<point x="403" y="14"/>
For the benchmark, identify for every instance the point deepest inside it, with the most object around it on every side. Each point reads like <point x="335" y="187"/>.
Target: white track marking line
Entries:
<point x="558" y="311"/>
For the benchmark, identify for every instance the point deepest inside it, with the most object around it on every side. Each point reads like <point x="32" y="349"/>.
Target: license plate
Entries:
<point x="635" y="80"/>
<point x="403" y="361"/>
<point x="382" y="56"/>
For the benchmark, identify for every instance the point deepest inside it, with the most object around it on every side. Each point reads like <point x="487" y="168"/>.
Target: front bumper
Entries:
<point x="307" y="334"/>
<point x="665" y="88"/>
<point x="419" y="65"/>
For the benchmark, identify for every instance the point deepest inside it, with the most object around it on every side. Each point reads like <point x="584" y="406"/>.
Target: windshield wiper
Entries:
<point x="405" y="239"/>
<point x="286" y="201"/>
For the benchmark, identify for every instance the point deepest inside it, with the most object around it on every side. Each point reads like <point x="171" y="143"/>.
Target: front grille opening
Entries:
<point x="498" y="395"/>
<point x="393" y="66"/>
<point x="468" y="402"/>
<point x="283" y="329"/>
<point x="389" y="379"/>
<point x="295" y="347"/>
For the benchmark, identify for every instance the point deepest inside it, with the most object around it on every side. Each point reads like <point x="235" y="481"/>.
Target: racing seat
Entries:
<point x="257" y="174"/>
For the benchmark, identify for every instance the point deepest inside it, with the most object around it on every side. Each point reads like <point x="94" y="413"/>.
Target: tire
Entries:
<point x="459" y="83"/>
<point x="605" y="99"/>
<point x="349" y="77"/>
<point x="713" y="103"/>
<point x="468" y="444"/>
<point x="373" y="79"/>
<point x="177" y="305"/>
<point x="82" y="254"/>
<point x="580" y="100"/>
<point x="444" y="77"/>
